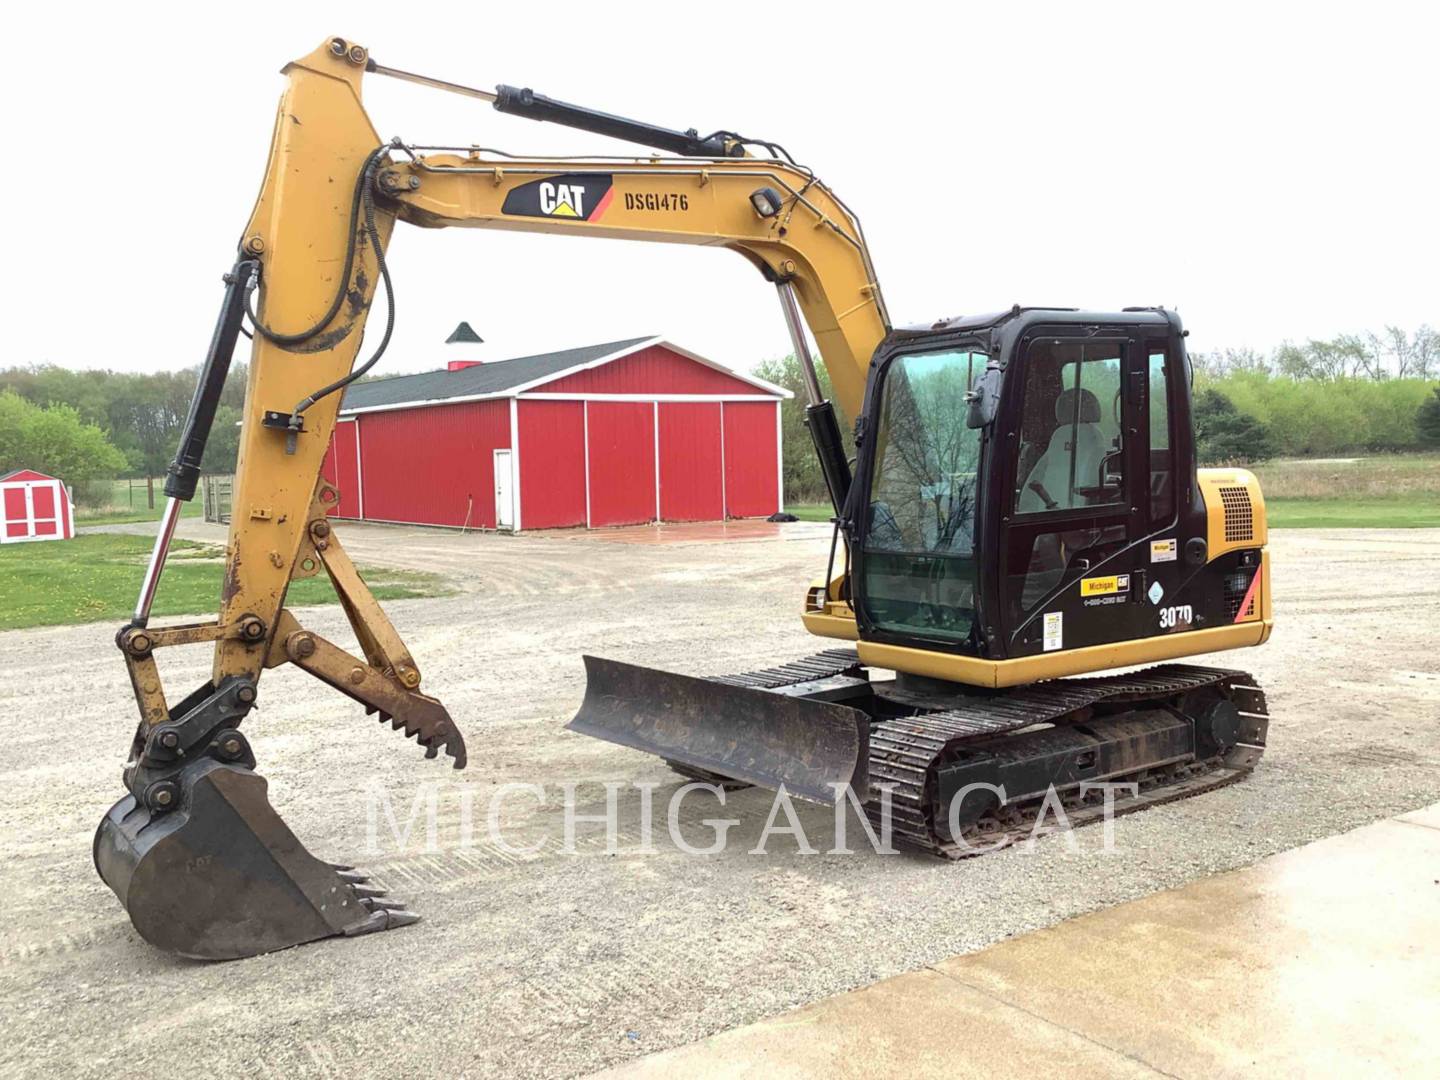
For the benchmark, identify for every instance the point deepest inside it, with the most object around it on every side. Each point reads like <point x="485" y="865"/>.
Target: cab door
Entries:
<point x="1076" y="506"/>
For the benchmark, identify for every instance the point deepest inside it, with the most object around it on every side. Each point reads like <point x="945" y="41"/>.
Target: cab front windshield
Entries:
<point x="919" y="555"/>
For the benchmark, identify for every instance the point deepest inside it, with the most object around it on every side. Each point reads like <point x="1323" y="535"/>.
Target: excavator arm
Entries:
<point x="310" y="263"/>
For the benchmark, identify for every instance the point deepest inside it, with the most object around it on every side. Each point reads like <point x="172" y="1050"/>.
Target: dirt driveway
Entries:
<point x="551" y="963"/>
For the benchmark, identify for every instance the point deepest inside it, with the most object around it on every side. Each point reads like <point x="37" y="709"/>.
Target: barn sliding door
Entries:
<point x="752" y="477"/>
<point x="622" y="462"/>
<point x="692" y="481"/>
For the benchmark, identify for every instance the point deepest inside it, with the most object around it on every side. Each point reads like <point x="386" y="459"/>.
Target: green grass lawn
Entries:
<point x="811" y="511"/>
<point x="96" y="578"/>
<point x="1418" y="511"/>
<point x="128" y="504"/>
<point x="113" y="516"/>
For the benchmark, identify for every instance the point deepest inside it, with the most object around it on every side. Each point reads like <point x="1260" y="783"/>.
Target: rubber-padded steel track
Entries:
<point x="823" y="665"/>
<point x="907" y="751"/>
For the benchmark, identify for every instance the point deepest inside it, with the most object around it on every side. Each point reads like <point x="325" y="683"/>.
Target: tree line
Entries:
<point x="1351" y="393"/>
<point x="1393" y="354"/>
<point x="1354" y="393"/>
<point x="92" y="426"/>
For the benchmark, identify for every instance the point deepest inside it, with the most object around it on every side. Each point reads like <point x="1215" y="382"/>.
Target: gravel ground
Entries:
<point x="554" y="964"/>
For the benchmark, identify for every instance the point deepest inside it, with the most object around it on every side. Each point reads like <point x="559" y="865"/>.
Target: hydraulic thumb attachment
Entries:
<point x="201" y="861"/>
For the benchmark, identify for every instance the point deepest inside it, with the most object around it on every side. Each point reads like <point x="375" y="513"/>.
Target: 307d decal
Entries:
<point x="577" y="196"/>
<point x="1179" y="617"/>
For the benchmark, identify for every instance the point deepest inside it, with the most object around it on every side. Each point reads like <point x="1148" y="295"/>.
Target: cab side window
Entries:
<point x="1162" y="456"/>
<point x="1070" y="450"/>
<point x="1070" y="459"/>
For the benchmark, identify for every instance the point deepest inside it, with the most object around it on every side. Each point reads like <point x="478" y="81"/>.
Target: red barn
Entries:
<point x="34" y="506"/>
<point x="616" y="434"/>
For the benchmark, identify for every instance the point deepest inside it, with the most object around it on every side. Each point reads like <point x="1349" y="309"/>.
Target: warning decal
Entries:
<point x="1054" y="630"/>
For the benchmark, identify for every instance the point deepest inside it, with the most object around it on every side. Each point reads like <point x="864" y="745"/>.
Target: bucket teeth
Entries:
<point x="382" y="919"/>
<point x="354" y="877"/>
<point x="367" y="892"/>
<point x="375" y="903"/>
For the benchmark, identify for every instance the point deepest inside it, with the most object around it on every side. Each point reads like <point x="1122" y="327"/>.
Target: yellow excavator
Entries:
<point x="1023" y="510"/>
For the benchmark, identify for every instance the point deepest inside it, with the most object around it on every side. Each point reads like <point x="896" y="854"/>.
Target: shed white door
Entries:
<point x="504" y="491"/>
<point x="34" y="510"/>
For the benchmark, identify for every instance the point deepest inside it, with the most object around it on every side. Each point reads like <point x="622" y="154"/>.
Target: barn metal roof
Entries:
<point x="503" y="378"/>
<point x="491" y="377"/>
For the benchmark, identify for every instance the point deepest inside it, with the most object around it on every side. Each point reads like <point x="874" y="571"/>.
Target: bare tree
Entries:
<point x="1393" y="350"/>
<point x="1222" y="362"/>
<point x="1345" y="357"/>
<point x="1245" y="360"/>
<point x="1425" y="353"/>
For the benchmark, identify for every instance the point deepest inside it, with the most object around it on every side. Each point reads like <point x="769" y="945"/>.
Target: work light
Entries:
<point x="766" y="201"/>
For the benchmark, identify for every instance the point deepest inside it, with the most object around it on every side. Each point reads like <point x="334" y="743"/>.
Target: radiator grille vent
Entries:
<point x="1239" y="515"/>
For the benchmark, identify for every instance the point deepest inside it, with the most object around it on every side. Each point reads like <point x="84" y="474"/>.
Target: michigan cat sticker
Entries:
<point x="1102" y="591"/>
<point x="573" y="196"/>
<point x="1105" y="586"/>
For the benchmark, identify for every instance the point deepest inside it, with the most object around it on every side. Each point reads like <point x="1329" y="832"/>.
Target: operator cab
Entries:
<point x="1026" y="483"/>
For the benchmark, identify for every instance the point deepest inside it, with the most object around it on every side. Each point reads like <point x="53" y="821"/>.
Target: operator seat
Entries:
<point x="1052" y="471"/>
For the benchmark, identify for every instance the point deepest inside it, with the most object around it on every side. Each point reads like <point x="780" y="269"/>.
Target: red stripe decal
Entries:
<point x="1249" y="596"/>
<point x="604" y="202"/>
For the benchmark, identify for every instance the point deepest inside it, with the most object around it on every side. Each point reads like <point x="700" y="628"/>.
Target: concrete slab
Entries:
<point x="1320" y="960"/>
<point x="917" y="1025"/>
<point x="1430" y="816"/>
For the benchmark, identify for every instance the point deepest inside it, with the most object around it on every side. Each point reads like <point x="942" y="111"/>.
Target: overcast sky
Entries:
<point x="1272" y="174"/>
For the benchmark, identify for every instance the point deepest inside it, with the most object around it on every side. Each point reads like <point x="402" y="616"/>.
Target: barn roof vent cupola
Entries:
<point x="463" y="344"/>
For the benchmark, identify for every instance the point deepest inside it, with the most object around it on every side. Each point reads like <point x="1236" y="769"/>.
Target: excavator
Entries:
<point x="1023" y="512"/>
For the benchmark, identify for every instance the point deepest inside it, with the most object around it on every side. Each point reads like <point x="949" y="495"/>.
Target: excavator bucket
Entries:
<point x="811" y="748"/>
<point x="221" y="876"/>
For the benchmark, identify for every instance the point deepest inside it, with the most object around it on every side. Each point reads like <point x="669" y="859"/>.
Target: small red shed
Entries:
<point x="34" y="506"/>
<point x="621" y="433"/>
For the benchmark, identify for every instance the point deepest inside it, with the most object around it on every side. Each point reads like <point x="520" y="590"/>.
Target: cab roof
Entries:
<point x="1017" y="318"/>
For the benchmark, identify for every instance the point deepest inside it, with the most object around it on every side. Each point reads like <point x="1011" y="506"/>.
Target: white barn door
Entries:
<point x="504" y="491"/>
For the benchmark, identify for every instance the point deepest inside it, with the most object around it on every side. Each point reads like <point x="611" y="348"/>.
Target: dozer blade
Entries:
<point x="762" y="738"/>
<point x="221" y="876"/>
